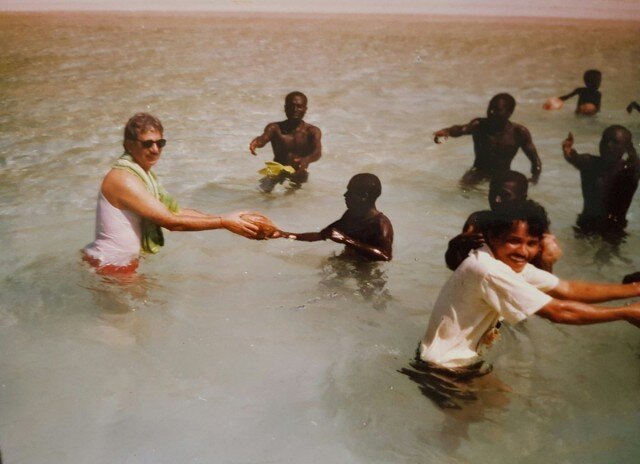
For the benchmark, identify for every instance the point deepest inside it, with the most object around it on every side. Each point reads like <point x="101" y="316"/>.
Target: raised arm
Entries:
<point x="572" y="156"/>
<point x="530" y="151"/>
<point x="591" y="292"/>
<point x="576" y="313"/>
<point x="634" y="105"/>
<point x="569" y="95"/>
<point x="125" y="191"/>
<point x="263" y="139"/>
<point x="456" y="131"/>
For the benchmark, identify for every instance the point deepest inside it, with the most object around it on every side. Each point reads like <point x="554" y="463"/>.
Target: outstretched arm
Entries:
<point x="125" y="191"/>
<point x="633" y="105"/>
<point x="263" y="139"/>
<point x="531" y="152"/>
<point x="591" y="292"/>
<point x="456" y="131"/>
<point x="569" y="95"/>
<point x="305" y="237"/>
<point x="576" y="313"/>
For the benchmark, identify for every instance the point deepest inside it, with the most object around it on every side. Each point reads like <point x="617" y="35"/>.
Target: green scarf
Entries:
<point x="152" y="238"/>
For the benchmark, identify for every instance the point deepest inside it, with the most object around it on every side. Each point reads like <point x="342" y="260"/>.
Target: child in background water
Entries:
<point x="588" y="97"/>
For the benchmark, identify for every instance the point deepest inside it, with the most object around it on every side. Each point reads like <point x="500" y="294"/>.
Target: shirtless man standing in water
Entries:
<point x="294" y="142"/>
<point x="496" y="141"/>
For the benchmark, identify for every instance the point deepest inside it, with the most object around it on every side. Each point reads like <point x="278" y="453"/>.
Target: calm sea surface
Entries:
<point x="226" y="350"/>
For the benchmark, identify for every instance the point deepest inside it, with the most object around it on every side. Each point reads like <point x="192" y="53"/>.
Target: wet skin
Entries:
<point x="608" y="181"/>
<point x="517" y="248"/>
<point x="294" y="142"/>
<point x="362" y="228"/>
<point x="496" y="141"/>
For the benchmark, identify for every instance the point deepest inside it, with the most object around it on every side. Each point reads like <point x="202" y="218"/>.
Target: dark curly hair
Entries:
<point x="501" y="222"/>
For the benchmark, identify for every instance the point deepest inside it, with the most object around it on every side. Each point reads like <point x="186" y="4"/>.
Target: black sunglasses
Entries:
<point x="149" y="143"/>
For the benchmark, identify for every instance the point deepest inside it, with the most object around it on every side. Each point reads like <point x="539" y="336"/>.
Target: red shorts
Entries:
<point x="110" y="269"/>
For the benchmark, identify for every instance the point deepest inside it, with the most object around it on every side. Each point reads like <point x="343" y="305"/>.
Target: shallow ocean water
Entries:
<point x="227" y="350"/>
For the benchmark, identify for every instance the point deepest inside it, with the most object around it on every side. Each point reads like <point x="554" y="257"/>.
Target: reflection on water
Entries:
<point x="349" y="274"/>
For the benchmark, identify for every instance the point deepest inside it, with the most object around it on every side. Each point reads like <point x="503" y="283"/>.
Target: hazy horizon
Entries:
<point x="590" y="9"/>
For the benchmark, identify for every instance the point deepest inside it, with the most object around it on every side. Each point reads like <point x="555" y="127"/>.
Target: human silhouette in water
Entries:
<point x="496" y="141"/>
<point x="504" y="191"/>
<point x="608" y="181"/>
<point x="294" y="142"/>
<point x="589" y="96"/>
<point x="365" y="231"/>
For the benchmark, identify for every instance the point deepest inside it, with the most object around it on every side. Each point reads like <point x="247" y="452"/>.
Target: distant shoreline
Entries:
<point x="407" y="17"/>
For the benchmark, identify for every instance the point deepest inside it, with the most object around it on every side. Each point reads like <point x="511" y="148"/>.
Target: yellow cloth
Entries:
<point x="151" y="234"/>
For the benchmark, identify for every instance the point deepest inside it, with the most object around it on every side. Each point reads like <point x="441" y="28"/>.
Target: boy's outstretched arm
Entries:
<point x="569" y="95"/>
<point x="456" y="131"/>
<point x="304" y="237"/>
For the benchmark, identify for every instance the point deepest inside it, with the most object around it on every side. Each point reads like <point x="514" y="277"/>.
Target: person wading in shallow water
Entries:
<point x="364" y="230"/>
<point x="133" y="206"/>
<point x="497" y="284"/>
<point x="588" y="97"/>
<point x="505" y="190"/>
<point x="608" y="182"/>
<point x="294" y="142"/>
<point x="496" y="140"/>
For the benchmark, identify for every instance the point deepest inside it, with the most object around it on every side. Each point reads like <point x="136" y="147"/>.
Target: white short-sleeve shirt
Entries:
<point x="481" y="292"/>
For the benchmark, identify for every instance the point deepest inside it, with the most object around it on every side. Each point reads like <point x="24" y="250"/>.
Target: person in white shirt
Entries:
<point x="496" y="283"/>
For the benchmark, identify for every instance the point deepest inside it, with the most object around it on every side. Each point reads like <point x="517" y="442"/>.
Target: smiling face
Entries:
<point x="145" y="157"/>
<point x="515" y="248"/>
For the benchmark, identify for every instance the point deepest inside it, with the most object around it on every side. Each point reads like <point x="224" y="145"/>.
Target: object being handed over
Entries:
<point x="266" y="228"/>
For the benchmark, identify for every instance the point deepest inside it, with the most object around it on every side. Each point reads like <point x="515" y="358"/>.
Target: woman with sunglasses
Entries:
<point x="133" y="206"/>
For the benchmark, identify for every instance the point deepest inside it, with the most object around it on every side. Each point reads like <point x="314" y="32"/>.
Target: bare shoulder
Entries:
<point x="272" y="127"/>
<point x="520" y="129"/>
<point x="521" y="132"/>
<point x="313" y="129"/>
<point x="474" y="124"/>
<point x="118" y="184"/>
<point x="384" y="221"/>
